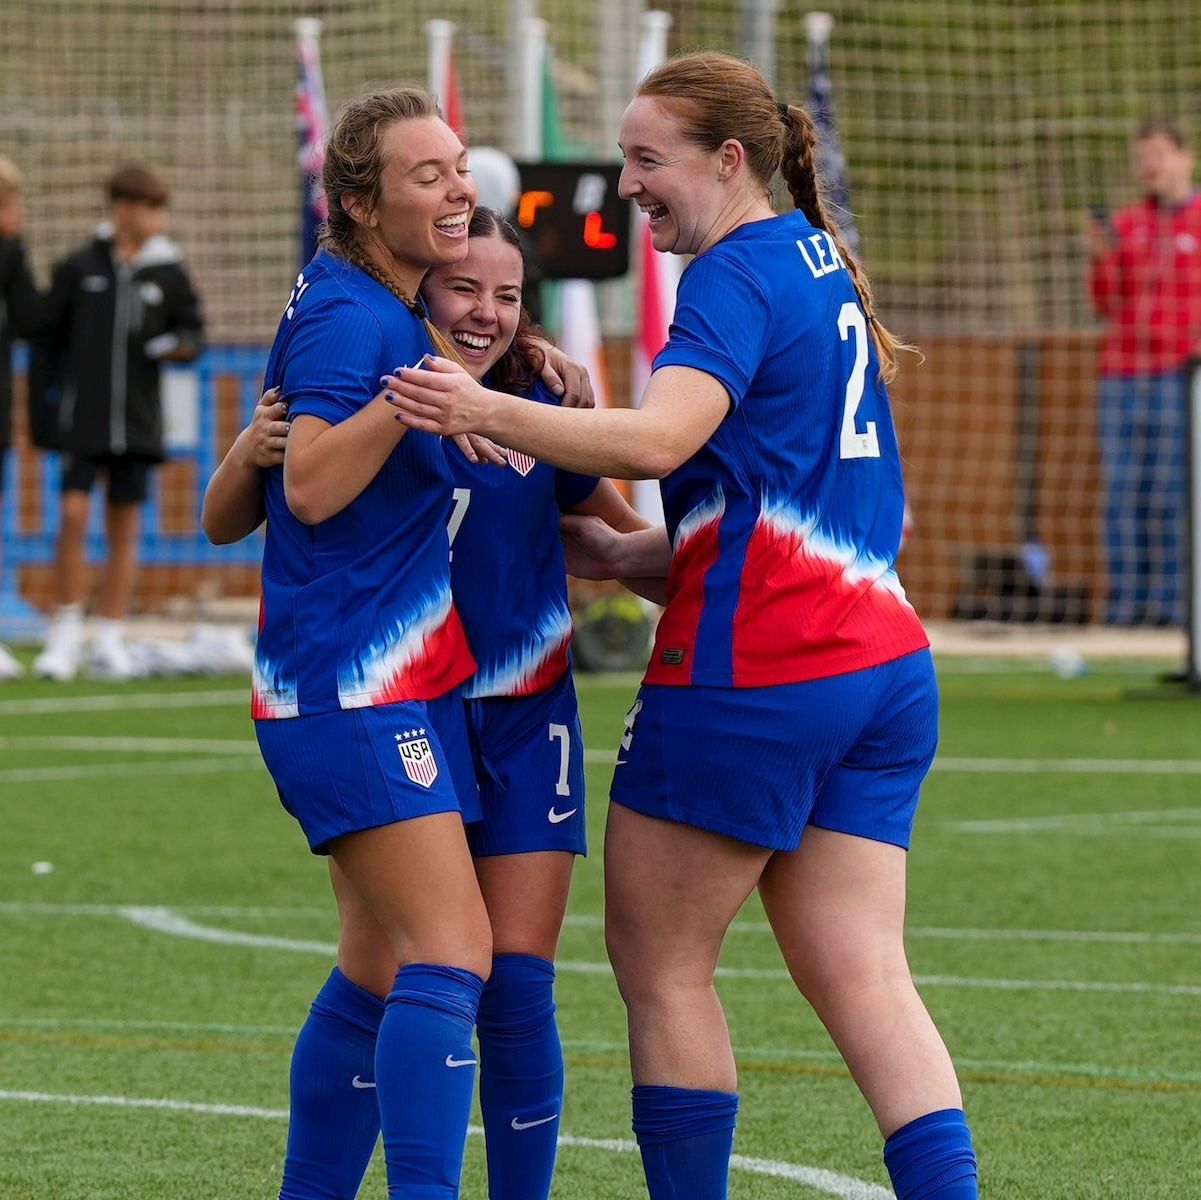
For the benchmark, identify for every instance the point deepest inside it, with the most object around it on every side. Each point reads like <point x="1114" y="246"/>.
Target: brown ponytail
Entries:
<point x="717" y="97"/>
<point x="799" y="169"/>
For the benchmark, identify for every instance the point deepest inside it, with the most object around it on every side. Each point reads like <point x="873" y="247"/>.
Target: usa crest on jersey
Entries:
<point x="418" y="757"/>
<point x="523" y="464"/>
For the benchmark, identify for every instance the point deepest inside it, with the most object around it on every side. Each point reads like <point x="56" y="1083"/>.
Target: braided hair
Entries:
<point x="354" y="165"/>
<point x="716" y="97"/>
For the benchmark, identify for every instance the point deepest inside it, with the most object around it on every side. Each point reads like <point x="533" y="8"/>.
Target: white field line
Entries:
<point x="164" y="920"/>
<point x="99" y="1025"/>
<point x="115" y="702"/>
<point x="1026" y="766"/>
<point x="168" y="745"/>
<point x="1185" y="821"/>
<point x="830" y="1182"/>
<point x="1071" y="766"/>
<point x="151" y="745"/>
<point x="595" y="921"/>
<point x="130" y="770"/>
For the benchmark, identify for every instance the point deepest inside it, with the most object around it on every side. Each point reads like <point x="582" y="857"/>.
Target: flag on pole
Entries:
<point x="659" y="276"/>
<point x="831" y="162"/>
<point x="312" y="128"/>
<point x="577" y="322"/>
<point x="554" y="141"/>
<point x="443" y="75"/>
<point x="452" y="100"/>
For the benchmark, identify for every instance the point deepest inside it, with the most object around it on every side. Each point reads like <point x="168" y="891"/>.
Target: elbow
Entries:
<point x="659" y="462"/>
<point x="218" y="531"/>
<point x="305" y="505"/>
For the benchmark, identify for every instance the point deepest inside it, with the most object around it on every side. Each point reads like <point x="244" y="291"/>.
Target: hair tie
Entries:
<point x="785" y="112"/>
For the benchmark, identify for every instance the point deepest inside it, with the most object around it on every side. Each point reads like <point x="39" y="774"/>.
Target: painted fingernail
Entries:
<point x="391" y="397"/>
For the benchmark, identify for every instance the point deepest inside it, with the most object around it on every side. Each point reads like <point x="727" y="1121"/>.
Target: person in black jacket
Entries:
<point x="118" y="309"/>
<point x="19" y="314"/>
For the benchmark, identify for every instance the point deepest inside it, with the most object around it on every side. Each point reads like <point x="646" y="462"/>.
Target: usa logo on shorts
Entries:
<point x="523" y="464"/>
<point x="418" y="757"/>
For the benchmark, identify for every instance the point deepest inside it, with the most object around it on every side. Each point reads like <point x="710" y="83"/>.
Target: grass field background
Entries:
<point x="151" y="983"/>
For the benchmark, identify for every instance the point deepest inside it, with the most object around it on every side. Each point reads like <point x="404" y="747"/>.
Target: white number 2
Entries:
<point x="562" y="787"/>
<point x="462" y="498"/>
<point x="855" y="443"/>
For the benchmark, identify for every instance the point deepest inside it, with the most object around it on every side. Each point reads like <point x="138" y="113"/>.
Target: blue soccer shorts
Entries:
<point x="341" y="772"/>
<point x="529" y="762"/>
<point x="847" y="753"/>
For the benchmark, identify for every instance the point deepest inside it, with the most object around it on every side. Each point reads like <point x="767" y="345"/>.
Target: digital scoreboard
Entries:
<point x="576" y="224"/>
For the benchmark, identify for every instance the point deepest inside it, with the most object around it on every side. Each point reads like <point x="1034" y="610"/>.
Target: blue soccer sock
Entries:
<point x="425" y="1072"/>
<point x="521" y="1076"/>
<point x="333" y="1124"/>
<point x="932" y="1158"/>
<point x="686" y="1137"/>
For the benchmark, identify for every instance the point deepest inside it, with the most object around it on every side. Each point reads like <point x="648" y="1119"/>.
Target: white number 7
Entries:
<point x="562" y="787"/>
<point x="462" y="498"/>
<point x="854" y="443"/>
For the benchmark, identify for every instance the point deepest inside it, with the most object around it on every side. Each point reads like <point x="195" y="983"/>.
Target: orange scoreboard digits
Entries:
<point x="577" y="225"/>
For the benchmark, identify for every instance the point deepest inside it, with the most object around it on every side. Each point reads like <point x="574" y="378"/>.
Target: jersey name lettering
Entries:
<point x="821" y="255"/>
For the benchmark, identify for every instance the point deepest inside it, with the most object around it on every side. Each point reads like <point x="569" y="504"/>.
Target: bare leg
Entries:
<point x="671" y="892"/>
<point x="417" y="880"/>
<point x="837" y="906"/>
<point x="123" y="523"/>
<point x="526" y="898"/>
<point x="70" y="561"/>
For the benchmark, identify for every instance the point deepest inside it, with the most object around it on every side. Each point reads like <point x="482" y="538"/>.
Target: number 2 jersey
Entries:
<point x="507" y="567"/>
<point x="785" y="525"/>
<point x="356" y="610"/>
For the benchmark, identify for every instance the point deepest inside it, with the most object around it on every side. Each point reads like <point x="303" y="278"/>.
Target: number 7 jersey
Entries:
<point x="785" y="525"/>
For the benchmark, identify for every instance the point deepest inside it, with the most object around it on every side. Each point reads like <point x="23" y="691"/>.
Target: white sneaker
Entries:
<point x="111" y="661"/>
<point x="221" y="650"/>
<point x="59" y="659"/>
<point x="10" y="668"/>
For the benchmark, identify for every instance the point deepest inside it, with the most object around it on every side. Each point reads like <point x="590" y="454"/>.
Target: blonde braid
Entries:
<point x="356" y="256"/>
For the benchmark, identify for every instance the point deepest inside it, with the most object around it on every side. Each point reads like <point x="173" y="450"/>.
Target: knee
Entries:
<point x="518" y="998"/>
<point x="839" y="981"/>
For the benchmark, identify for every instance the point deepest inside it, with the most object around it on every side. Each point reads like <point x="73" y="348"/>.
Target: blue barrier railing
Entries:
<point x="197" y="441"/>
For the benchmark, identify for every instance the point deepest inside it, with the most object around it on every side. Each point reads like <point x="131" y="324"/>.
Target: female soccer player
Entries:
<point x="359" y="646"/>
<point x="522" y="711"/>
<point x="789" y="712"/>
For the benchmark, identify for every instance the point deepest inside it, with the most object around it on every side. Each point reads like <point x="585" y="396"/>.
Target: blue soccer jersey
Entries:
<point x="785" y="525"/>
<point x="507" y="567"/>
<point x="356" y="610"/>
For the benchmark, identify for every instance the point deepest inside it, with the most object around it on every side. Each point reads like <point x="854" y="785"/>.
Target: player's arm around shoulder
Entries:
<point x="233" y="500"/>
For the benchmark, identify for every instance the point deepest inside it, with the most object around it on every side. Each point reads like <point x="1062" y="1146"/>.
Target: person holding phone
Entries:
<point x="1145" y="280"/>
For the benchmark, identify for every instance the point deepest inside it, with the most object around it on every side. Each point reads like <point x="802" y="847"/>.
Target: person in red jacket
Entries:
<point x="1145" y="279"/>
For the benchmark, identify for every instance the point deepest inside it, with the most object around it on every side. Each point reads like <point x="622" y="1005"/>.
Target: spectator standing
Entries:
<point x="119" y="308"/>
<point x="1145" y="279"/>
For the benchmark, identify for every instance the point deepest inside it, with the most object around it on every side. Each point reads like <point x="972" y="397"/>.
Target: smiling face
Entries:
<point x="477" y="302"/>
<point x="684" y="189"/>
<point x="425" y="201"/>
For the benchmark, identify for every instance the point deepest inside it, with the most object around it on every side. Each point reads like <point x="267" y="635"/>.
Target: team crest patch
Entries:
<point x="523" y="464"/>
<point x="418" y="756"/>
